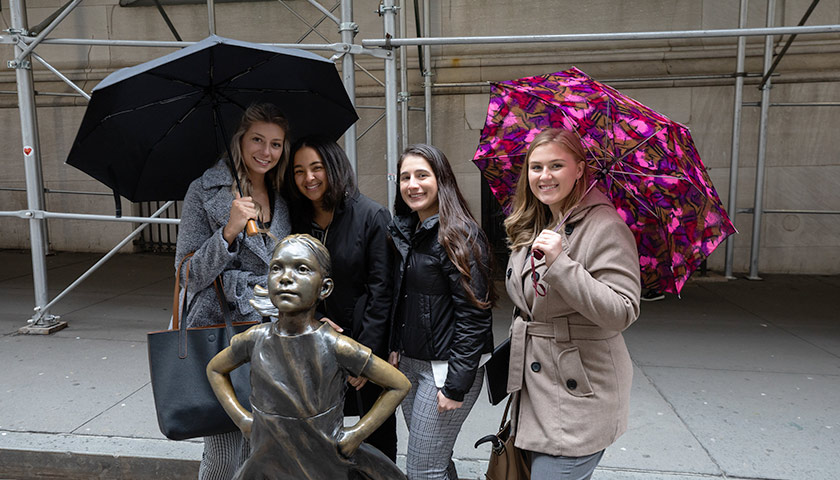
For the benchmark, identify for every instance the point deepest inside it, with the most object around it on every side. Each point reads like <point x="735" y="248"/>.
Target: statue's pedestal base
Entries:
<point x="42" y="330"/>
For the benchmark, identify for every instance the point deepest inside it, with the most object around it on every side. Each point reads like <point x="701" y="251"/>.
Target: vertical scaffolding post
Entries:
<point x="404" y="95"/>
<point x="427" y="72"/>
<point x="389" y="13"/>
<point x="758" y="208"/>
<point x="732" y="204"/>
<point x="42" y="321"/>
<point x="348" y="30"/>
<point x="211" y="16"/>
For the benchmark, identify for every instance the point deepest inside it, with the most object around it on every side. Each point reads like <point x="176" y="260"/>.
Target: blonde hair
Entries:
<point x="259" y="113"/>
<point x="530" y="216"/>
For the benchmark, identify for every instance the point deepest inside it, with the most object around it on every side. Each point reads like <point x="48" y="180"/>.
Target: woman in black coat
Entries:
<point x="442" y="308"/>
<point x="326" y="204"/>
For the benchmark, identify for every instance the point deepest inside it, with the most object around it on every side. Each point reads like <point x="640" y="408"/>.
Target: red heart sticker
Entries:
<point x="27" y="150"/>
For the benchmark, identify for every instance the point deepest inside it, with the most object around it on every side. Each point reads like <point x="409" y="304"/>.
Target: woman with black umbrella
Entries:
<point x="326" y="203"/>
<point x="212" y="223"/>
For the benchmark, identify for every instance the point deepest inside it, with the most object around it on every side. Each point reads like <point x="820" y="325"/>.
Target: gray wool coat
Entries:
<point x="569" y="364"/>
<point x="205" y="213"/>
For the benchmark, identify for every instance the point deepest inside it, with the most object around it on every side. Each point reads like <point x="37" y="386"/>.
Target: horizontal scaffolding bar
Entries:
<point x="29" y="214"/>
<point x="666" y="78"/>
<point x="792" y="212"/>
<point x="338" y="47"/>
<point x="795" y="104"/>
<point x="382" y="107"/>
<point x="46" y="94"/>
<point x="591" y="37"/>
<point x="50" y="190"/>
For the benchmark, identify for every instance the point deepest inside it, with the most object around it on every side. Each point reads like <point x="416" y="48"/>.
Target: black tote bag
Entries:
<point x="185" y="403"/>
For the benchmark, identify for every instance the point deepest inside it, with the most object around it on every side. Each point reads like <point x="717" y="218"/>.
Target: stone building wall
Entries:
<point x="803" y="162"/>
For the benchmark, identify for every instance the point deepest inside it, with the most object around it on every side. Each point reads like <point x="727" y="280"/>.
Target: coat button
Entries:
<point x="571" y="384"/>
<point x="509" y="271"/>
<point x="535" y="276"/>
<point x="536" y="367"/>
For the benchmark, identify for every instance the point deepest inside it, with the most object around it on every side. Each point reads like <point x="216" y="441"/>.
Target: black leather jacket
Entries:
<point x="357" y="239"/>
<point x="433" y="316"/>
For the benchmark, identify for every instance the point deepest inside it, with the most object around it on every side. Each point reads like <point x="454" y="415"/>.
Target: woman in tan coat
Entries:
<point x="573" y="275"/>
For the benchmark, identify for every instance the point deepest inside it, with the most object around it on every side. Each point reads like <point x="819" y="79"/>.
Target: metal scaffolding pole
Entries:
<point x="736" y="136"/>
<point x="42" y="321"/>
<point x="593" y="37"/>
<point x="427" y="69"/>
<point x="762" y="148"/>
<point x="348" y="31"/>
<point x="389" y="12"/>
<point x="404" y="94"/>
<point x="211" y="16"/>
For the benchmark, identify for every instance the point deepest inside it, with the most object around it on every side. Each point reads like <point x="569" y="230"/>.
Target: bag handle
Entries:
<point x="177" y="322"/>
<point x="505" y="415"/>
<point x="176" y="295"/>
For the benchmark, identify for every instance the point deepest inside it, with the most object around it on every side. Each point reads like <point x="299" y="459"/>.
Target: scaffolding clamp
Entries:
<point x="382" y="10"/>
<point x="348" y="27"/>
<point x="403" y="97"/>
<point x="24" y="64"/>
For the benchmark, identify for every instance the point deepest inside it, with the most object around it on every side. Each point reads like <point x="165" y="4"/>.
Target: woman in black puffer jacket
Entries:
<point x="442" y="320"/>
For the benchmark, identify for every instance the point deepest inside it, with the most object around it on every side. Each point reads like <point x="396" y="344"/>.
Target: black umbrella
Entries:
<point x="151" y="129"/>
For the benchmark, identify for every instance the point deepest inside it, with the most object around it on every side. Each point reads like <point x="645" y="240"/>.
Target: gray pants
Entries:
<point x="223" y="455"/>
<point x="431" y="435"/>
<point x="549" y="467"/>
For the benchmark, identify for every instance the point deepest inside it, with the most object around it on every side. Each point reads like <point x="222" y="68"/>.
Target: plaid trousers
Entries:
<point x="223" y="455"/>
<point x="432" y="435"/>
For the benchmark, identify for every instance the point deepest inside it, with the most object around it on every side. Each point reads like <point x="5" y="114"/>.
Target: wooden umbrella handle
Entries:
<point x="251" y="228"/>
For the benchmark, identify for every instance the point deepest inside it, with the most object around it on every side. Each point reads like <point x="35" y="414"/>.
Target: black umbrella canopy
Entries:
<point x="151" y="129"/>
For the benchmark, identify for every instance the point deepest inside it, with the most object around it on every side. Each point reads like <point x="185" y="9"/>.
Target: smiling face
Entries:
<point x="262" y="148"/>
<point x="418" y="186"/>
<point x="296" y="281"/>
<point x="552" y="172"/>
<point x="310" y="175"/>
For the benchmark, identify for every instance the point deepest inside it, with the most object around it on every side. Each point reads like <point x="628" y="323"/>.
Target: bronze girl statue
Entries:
<point x="298" y="369"/>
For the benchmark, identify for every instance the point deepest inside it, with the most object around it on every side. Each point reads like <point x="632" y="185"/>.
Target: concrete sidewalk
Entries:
<point x="736" y="379"/>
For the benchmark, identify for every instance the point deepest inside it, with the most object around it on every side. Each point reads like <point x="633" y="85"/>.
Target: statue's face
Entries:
<point x="295" y="280"/>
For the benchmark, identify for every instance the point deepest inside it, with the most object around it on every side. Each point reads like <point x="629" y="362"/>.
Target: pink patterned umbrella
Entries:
<point x="646" y="163"/>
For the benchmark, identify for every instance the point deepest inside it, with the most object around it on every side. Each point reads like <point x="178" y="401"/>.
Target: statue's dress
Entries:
<point x="297" y="398"/>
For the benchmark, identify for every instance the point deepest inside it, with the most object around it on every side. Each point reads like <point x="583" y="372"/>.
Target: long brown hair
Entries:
<point x="259" y="113"/>
<point x="530" y="216"/>
<point x="458" y="232"/>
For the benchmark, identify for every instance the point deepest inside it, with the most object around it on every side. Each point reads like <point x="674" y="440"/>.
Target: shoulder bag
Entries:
<point x="185" y="403"/>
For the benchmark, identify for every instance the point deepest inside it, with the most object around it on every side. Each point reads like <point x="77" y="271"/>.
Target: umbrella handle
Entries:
<point x="251" y="228"/>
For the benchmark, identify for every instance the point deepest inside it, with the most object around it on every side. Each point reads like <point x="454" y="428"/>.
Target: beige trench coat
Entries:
<point x="569" y="362"/>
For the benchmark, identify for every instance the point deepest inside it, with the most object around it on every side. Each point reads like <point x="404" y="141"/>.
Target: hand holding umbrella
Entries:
<point x="243" y="211"/>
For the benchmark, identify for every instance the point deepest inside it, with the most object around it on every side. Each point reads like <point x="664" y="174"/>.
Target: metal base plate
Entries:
<point x="42" y="330"/>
